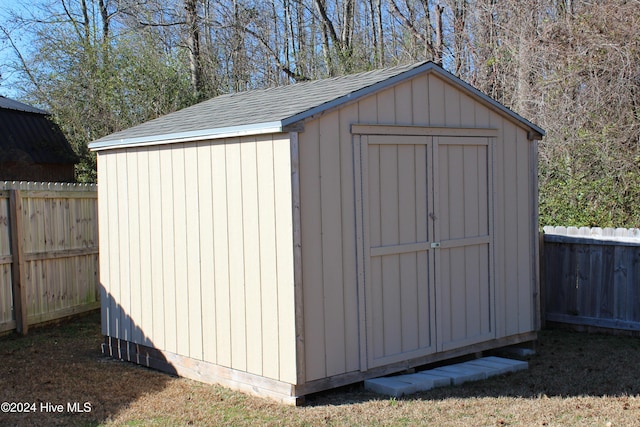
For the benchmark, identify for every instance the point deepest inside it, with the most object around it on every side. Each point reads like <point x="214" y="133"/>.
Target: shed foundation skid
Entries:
<point x="277" y="390"/>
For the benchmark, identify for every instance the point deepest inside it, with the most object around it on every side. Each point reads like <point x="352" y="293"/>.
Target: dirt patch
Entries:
<point x="575" y="379"/>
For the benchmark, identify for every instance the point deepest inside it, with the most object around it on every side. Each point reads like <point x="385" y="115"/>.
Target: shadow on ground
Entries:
<point x="63" y="365"/>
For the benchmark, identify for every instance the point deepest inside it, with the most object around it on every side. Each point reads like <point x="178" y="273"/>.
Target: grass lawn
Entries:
<point x="575" y="379"/>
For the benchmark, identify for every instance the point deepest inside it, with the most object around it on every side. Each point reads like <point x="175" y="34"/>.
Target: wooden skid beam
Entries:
<point x="265" y="387"/>
<point x="200" y="371"/>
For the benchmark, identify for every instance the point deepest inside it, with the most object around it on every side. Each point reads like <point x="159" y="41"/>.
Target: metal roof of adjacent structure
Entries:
<point x="27" y="134"/>
<point x="12" y="104"/>
<point x="276" y="109"/>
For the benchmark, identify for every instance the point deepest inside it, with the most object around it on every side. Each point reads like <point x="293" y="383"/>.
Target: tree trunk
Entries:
<point x="439" y="44"/>
<point x="193" y="44"/>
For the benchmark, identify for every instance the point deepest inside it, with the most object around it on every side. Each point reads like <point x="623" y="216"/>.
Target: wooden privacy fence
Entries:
<point x="48" y="252"/>
<point x="591" y="276"/>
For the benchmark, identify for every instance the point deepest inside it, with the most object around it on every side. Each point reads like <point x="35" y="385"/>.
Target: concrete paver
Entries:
<point x="459" y="373"/>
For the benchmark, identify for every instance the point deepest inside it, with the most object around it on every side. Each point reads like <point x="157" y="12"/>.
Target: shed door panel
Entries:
<point x="464" y="230"/>
<point x="425" y="239"/>
<point x="399" y="288"/>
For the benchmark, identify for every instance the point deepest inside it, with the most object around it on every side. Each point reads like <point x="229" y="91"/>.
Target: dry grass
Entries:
<point x="576" y="379"/>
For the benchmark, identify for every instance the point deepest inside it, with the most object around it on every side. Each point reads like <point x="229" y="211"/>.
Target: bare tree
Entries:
<point x="193" y="45"/>
<point x="424" y="32"/>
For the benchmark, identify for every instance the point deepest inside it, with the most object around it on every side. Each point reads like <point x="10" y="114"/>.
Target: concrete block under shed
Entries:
<point x="516" y="365"/>
<point x="438" y="379"/>
<point x="473" y="370"/>
<point x="461" y="373"/>
<point x="421" y="382"/>
<point x="389" y="386"/>
<point x="493" y="368"/>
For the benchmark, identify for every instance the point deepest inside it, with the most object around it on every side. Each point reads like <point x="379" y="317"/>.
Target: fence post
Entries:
<point x="542" y="283"/>
<point x="17" y="267"/>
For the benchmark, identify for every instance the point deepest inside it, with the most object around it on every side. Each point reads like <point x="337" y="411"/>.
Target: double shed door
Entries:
<point x="425" y="239"/>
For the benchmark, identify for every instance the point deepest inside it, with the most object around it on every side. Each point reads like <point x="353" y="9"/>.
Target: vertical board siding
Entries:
<point x="251" y="255"/>
<point x="389" y="224"/>
<point x="349" y="115"/>
<point x="180" y="255"/>
<point x="207" y="277"/>
<point x="525" y="215"/>
<point x="312" y="262"/>
<point x="331" y="220"/>
<point x="397" y="285"/>
<point x="327" y="185"/>
<point x="287" y="296"/>
<point x="235" y="240"/>
<point x="207" y="304"/>
<point x="194" y="255"/>
<point x="155" y="248"/>
<point x="134" y="252"/>
<point x="123" y="250"/>
<point x="222" y="282"/>
<point x="515" y="209"/>
<point x="465" y="288"/>
<point x="144" y="232"/>
<point x="408" y="224"/>
<point x="167" y="234"/>
<point x="270" y="340"/>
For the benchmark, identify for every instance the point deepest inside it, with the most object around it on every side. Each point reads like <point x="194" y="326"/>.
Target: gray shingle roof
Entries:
<point x="269" y="110"/>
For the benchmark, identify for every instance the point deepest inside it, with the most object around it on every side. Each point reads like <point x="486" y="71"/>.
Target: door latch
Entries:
<point x="435" y="245"/>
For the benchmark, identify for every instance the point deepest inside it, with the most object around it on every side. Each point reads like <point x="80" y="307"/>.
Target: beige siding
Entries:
<point x="155" y="248"/>
<point x="207" y="300"/>
<point x="144" y="236"/>
<point x="463" y="263"/>
<point x="514" y="201"/>
<point x="222" y="293"/>
<point x="287" y="328"/>
<point x="198" y="251"/>
<point x="315" y="311"/>
<point x="270" y="340"/>
<point x="399" y="292"/>
<point x="332" y="314"/>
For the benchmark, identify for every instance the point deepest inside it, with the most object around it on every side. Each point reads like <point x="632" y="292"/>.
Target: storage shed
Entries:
<point x="295" y="239"/>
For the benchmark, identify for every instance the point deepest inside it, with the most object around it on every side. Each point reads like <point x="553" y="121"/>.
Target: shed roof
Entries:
<point x="275" y="109"/>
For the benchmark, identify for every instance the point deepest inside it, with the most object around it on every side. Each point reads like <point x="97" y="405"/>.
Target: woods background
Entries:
<point x="570" y="66"/>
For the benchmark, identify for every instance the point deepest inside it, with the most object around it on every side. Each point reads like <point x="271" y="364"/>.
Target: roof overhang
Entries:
<point x="535" y="132"/>
<point x="192" y="136"/>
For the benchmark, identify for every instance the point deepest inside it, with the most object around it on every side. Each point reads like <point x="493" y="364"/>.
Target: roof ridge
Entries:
<point x="274" y="109"/>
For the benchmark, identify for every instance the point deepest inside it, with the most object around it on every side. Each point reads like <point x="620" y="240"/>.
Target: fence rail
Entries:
<point x="591" y="276"/>
<point x="48" y="252"/>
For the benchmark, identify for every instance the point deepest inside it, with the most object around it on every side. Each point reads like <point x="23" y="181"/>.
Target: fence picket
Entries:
<point x="48" y="252"/>
<point x="592" y="276"/>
